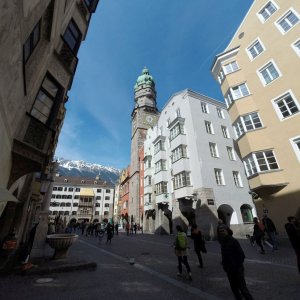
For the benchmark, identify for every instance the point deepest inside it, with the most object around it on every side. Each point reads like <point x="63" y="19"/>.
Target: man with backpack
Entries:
<point x="181" y="244"/>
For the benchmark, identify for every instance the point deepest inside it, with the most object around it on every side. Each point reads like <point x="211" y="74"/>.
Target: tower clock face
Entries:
<point x="150" y="120"/>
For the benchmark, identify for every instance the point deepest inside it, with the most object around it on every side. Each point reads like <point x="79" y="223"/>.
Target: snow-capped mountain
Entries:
<point x="81" y="168"/>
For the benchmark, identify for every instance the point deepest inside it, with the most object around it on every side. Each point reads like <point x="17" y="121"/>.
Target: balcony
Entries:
<point x="178" y="140"/>
<point x="162" y="198"/>
<point x="31" y="149"/>
<point x="148" y="206"/>
<point x="183" y="164"/>
<point x="85" y="10"/>
<point x="183" y="192"/>
<point x="148" y="189"/>
<point x="267" y="183"/>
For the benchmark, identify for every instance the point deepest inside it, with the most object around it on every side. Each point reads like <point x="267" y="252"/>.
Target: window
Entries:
<point x="65" y="189"/>
<point x="296" y="47"/>
<point x="55" y="188"/>
<point x="225" y="132"/>
<point x="147" y="180"/>
<point x="159" y="146"/>
<point x="236" y="92"/>
<point x="176" y="130"/>
<point x="107" y="191"/>
<point x="246" y="123"/>
<point x="178" y="153"/>
<point x="286" y="106"/>
<point x="70" y="189"/>
<point x="220" y="113"/>
<point x="204" y="107"/>
<point x="161" y="188"/>
<point x="178" y="112"/>
<point x="76" y="197"/>
<point x="98" y="197"/>
<point x="209" y="128"/>
<point x="246" y="212"/>
<point x="31" y="42"/>
<point x="99" y="190"/>
<point x="75" y="204"/>
<point x="255" y="49"/>
<point x="213" y="150"/>
<point x="72" y="36"/>
<point x="230" y="153"/>
<point x="231" y="67"/>
<point x="59" y="188"/>
<point x="289" y="20"/>
<point x="160" y="165"/>
<point x="219" y="177"/>
<point x="237" y="179"/>
<point x="106" y="205"/>
<point x="260" y="162"/>
<point x="107" y="198"/>
<point x="181" y="180"/>
<point x="77" y="190"/>
<point x="296" y="146"/>
<point x="45" y="99"/>
<point x="267" y="11"/>
<point x="268" y="73"/>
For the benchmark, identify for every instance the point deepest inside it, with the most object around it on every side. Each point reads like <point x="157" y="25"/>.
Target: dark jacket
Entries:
<point x="294" y="235"/>
<point x="198" y="240"/>
<point x="257" y="232"/>
<point x="232" y="254"/>
<point x="269" y="225"/>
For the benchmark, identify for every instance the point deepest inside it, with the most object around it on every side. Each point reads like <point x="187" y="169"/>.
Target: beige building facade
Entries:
<point x="38" y="59"/>
<point x="258" y="76"/>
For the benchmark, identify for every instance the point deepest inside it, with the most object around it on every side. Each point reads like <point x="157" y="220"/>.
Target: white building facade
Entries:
<point x="82" y="199"/>
<point x="193" y="173"/>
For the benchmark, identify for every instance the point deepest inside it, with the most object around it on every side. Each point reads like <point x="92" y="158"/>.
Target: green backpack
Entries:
<point x="181" y="241"/>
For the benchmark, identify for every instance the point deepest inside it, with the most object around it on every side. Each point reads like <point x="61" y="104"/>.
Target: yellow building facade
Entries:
<point x="258" y="76"/>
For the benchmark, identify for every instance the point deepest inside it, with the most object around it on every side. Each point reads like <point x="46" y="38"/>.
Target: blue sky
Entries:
<point x="176" y="39"/>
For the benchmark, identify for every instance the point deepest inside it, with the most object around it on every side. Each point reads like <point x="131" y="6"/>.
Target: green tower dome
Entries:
<point x="145" y="78"/>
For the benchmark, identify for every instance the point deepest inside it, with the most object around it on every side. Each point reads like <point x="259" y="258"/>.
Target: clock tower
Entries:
<point x="144" y="115"/>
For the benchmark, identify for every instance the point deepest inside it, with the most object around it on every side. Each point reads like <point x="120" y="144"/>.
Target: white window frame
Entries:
<point x="261" y="17"/>
<point x="237" y="179"/>
<point x="220" y="113"/>
<point x="182" y="179"/>
<point x="295" y="142"/>
<point x="240" y="126"/>
<point x="219" y="176"/>
<point x="252" y="165"/>
<point x="283" y="17"/>
<point x="276" y="107"/>
<point x="266" y="67"/>
<point x="213" y="149"/>
<point x="232" y="67"/>
<point x="225" y="132"/>
<point x="209" y="127"/>
<point x="231" y="154"/>
<point x="231" y="96"/>
<point x="204" y="108"/>
<point x="257" y="40"/>
<point x="295" y="47"/>
<point x="178" y="153"/>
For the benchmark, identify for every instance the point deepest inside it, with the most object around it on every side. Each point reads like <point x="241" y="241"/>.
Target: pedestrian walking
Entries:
<point x="220" y="226"/>
<point x="181" y="245"/>
<point x="117" y="228"/>
<point x="271" y="231"/>
<point x="135" y="228"/>
<point x="127" y="228"/>
<point x="109" y="232"/>
<point x="293" y="231"/>
<point x="232" y="260"/>
<point x="258" y="235"/>
<point x="199" y="243"/>
<point x="131" y="228"/>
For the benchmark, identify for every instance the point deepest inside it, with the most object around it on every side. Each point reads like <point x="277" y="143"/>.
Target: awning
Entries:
<point x="6" y="196"/>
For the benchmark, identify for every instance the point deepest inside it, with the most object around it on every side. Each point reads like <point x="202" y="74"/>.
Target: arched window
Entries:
<point x="246" y="211"/>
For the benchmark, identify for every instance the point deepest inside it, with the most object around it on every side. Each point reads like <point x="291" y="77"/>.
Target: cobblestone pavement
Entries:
<point x="153" y="274"/>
